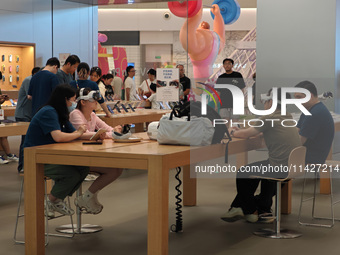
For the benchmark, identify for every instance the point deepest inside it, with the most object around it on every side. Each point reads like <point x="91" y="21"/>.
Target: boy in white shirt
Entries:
<point x="154" y="104"/>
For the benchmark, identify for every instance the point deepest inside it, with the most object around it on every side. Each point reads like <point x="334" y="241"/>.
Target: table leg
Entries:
<point x="286" y="197"/>
<point x="139" y="127"/>
<point x="158" y="207"/>
<point x="189" y="187"/>
<point x="325" y="184"/>
<point x="241" y="159"/>
<point x="34" y="205"/>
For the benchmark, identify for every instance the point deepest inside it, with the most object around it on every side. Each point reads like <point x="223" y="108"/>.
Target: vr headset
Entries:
<point x="92" y="96"/>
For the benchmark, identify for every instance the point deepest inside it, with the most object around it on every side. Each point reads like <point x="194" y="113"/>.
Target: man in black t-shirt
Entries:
<point x="185" y="81"/>
<point x="229" y="77"/>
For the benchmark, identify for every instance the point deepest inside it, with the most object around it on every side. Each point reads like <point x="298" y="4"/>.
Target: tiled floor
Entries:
<point x="124" y="220"/>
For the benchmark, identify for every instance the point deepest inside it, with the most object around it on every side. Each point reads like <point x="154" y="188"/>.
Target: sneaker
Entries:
<point x="234" y="214"/>
<point x="60" y="207"/>
<point x="49" y="209"/>
<point x="252" y="218"/>
<point x="266" y="218"/>
<point x="12" y="157"/>
<point x="90" y="177"/>
<point x="3" y="161"/>
<point x="95" y="198"/>
<point x="89" y="203"/>
<point x="21" y="171"/>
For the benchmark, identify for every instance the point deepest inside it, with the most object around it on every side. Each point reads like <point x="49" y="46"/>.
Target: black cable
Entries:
<point x="178" y="227"/>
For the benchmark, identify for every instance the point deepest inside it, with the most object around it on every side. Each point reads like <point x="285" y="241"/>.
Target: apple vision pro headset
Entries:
<point x="92" y="96"/>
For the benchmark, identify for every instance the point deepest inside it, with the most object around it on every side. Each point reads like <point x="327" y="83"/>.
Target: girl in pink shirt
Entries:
<point x="84" y="115"/>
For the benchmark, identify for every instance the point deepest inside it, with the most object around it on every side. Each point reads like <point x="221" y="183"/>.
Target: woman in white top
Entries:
<point x="129" y="83"/>
<point x="84" y="115"/>
<point x="144" y="88"/>
<point x="95" y="74"/>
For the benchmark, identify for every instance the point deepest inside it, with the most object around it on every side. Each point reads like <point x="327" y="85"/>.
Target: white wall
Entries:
<point x="74" y="27"/>
<point x="156" y="37"/>
<point x="153" y="20"/>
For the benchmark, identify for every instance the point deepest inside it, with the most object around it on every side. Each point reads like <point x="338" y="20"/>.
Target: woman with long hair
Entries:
<point x="84" y="115"/>
<point x="51" y="125"/>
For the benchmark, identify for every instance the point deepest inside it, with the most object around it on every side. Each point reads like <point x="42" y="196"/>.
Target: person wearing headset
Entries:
<point x="84" y="115"/>
<point x="83" y="71"/>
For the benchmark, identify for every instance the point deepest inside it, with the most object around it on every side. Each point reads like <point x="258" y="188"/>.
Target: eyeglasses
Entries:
<point x="133" y="71"/>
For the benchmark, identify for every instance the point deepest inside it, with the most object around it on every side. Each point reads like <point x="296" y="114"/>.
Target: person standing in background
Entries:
<point x="107" y="80"/>
<point x="66" y="72"/>
<point x="23" y="112"/>
<point x="42" y="84"/>
<point x="95" y="75"/>
<point x="144" y="88"/>
<point x="129" y="83"/>
<point x="233" y="78"/>
<point x="117" y="84"/>
<point x="3" y="140"/>
<point x="185" y="81"/>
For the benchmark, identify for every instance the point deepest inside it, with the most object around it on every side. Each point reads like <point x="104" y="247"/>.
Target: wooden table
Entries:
<point x="8" y="110"/>
<point x="12" y="129"/>
<point x="138" y="118"/>
<point x="148" y="155"/>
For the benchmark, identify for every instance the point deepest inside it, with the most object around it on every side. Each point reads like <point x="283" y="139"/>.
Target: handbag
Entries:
<point x="147" y="94"/>
<point x="194" y="131"/>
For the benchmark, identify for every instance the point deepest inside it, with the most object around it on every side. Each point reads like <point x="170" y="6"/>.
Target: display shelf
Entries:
<point x="16" y="61"/>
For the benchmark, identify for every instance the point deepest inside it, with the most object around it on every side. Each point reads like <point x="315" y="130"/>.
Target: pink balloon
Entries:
<point x="102" y="37"/>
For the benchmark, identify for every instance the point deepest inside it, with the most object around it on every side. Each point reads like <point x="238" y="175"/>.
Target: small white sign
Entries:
<point x="169" y="78"/>
<point x="167" y="93"/>
<point x="167" y="74"/>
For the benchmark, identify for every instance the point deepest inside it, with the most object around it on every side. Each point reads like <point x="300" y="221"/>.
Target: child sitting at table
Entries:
<point x="84" y="115"/>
